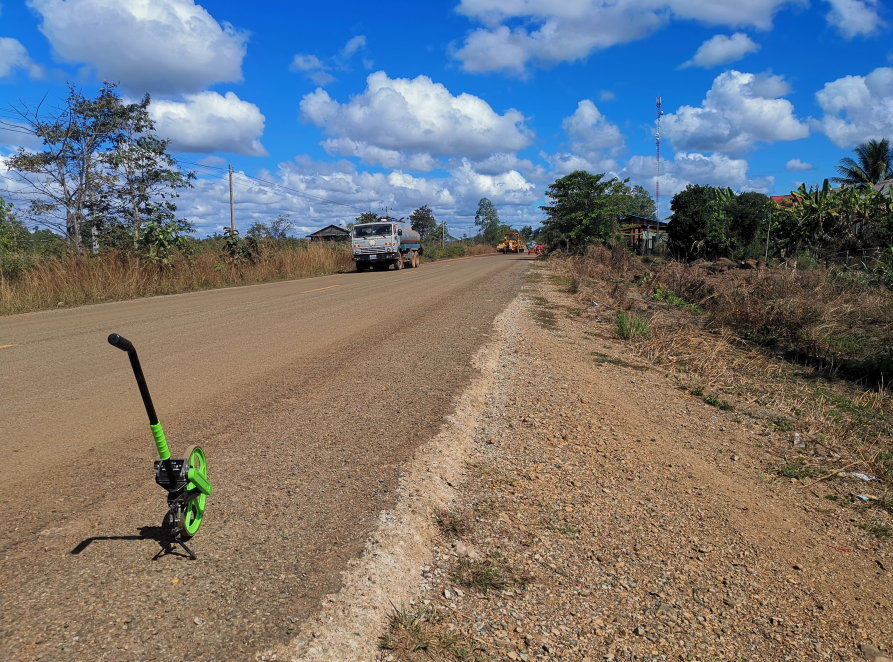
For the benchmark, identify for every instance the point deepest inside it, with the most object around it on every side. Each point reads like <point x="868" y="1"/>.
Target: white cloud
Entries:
<point x="857" y="108"/>
<point x="159" y="46"/>
<point x="213" y="160"/>
<point x="318" y="71"/>
<point x="415" y="116"/>
<point x="739" y="111"/>
<point x="209" y="122"/>
<point x="855" y="18"/>
<point x="606" y="95"/>
<point x="721" y="50"/>
<point x="693" y="168"/>
<point x="304" y="63"/>
<point x="796" y="165"/>
<point x="548" y="32"/>
<point x="453" y="197"/>
<point x="353" y="45"/>
<point x="590" y="132"/>
<point x="15" y="56"/>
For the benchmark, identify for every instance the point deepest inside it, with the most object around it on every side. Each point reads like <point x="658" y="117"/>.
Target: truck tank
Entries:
<point x="409" y="235"/>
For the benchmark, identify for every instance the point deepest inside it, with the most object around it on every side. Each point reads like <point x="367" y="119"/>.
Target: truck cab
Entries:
<point x="384" y="243"/>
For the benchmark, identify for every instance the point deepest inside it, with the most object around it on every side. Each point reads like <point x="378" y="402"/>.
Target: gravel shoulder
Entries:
<point x="601" y="513"/>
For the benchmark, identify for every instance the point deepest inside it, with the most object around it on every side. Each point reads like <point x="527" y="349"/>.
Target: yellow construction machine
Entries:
<point x="511" y="244"/>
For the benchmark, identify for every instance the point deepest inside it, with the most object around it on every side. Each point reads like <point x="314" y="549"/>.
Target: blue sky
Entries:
<point x="400" y="104"/>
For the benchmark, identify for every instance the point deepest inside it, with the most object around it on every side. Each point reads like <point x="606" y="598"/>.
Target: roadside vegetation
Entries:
<point x="779" y="313"/>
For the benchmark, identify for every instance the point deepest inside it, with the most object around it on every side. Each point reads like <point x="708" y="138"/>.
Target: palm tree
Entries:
<point x="873" y="164"/>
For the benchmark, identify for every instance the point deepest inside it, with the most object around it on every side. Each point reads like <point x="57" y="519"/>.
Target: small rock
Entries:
<point x="199" y="621"/>
<point x="60" y="304"/>
<point x="798" y="442"/>
<point x="735" y="458"/>
<point x="640" y="630"/>
<point x="447" y="594"/>
<point x="872" y="654"/>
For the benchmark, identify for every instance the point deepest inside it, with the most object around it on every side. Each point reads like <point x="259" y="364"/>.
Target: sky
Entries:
<point x="326" y="110"/>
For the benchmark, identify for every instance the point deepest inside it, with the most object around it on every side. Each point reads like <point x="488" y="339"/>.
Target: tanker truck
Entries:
<point x="386" y="242"/>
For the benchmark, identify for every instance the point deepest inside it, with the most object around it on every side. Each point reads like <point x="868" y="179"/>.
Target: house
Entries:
<point x="643" y="233"/>
<point x="885" y="187"/>
<point x="330" y="233"/>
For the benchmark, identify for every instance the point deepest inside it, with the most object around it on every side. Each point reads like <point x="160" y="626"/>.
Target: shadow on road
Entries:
<point x="157" y="533"/>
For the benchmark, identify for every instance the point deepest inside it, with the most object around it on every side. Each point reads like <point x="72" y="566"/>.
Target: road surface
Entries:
<point x="308" y="396"/>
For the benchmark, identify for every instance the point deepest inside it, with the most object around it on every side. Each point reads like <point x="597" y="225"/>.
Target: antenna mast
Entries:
<point x="657" y="179"/>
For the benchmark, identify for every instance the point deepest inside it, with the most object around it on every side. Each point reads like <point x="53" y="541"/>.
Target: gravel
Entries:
<point x="636" y="524"/>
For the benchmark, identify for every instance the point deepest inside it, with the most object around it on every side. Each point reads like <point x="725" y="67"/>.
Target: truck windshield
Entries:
<point x="377" y="230"/>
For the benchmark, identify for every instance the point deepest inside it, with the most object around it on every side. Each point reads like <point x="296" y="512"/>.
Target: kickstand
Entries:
<point x="167" y="546"/>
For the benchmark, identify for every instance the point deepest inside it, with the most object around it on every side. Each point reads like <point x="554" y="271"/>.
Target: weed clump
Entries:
<point x="800" y="471"/>
<point x="632" y="326"/>
<point x="452" y="525"/>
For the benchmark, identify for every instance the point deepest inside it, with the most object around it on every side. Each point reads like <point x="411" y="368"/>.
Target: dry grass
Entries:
<point x="111" y="278"/>
<point x="726" y="358"/>
<point x="418" y="633"/>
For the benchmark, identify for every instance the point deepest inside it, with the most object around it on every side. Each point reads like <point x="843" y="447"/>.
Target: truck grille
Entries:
<point x="370" y="250"/>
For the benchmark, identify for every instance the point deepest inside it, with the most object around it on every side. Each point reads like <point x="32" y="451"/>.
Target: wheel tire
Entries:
<point x="411" y="264"/>
<point x="398" y="263"/>
<point x="416" y="260"/>
<point x="192" y="517"/>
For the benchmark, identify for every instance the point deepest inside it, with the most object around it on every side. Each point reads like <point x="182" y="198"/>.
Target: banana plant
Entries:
<point x="817" y="208"/>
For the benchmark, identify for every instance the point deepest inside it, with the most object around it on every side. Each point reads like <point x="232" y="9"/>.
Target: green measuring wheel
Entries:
<point x="191" y="517"/>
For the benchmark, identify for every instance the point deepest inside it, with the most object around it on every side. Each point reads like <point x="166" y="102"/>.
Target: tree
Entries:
<point x="748" y="215"/>
<point x="585" y="208"/>
<point x="641" y="203"/>
<point x="62" y="177"/>
<point x="100" y="164"/>
<point x="699" y="225"/>
<point x="144" y="178"/>
<point x="487" y="220"/>
<point x="11" y="228"/>
<point x="422" y="221"/>
<point x="873" y="164"/>
<point x="526" y="233"/>
<point x="367" y="217"/>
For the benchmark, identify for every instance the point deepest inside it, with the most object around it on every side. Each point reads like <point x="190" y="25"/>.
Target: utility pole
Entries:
<point x="232" y="210"/>
<point x="657" y="178"/>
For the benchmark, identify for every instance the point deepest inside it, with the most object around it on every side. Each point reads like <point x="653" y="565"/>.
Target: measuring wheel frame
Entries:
<point x="186" y="480"/>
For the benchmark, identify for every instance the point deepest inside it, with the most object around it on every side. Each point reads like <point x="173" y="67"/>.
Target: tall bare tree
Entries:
<point x="61" y="177"/>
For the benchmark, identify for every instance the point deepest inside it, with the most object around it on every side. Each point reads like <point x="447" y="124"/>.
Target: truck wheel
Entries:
<point x="411" y="263"/>
<point x="398" y="264"/>
<point x="416" y="260"/>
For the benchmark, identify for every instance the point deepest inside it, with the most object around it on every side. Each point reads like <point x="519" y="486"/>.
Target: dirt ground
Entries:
<point x="580" y="506"/>
<point x="309" y="398"/>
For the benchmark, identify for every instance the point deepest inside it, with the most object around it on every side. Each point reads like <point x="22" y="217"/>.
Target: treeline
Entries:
<point x="812" y="224"/>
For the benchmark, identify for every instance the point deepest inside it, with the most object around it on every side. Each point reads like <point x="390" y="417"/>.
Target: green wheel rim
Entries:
<point x="192" y="518"/>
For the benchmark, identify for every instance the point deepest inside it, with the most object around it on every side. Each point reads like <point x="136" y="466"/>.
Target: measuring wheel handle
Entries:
<point x="186" y="480"/>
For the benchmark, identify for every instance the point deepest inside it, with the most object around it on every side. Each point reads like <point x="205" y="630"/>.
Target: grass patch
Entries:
<point x="713" y="401"/>
<point x="417" y="634"/>
<point x="494" y="574"/>
<point x="487" y="506"/>
<point x="632" y="326"/>
<point x="452" y="525"/>
<point x="800" y="471"/>
<point x="697" y="390"/>
<point x="878" y="529"/>
<point x="667" y="296"/>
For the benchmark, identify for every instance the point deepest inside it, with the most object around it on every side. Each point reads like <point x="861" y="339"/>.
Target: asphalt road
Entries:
<point x="307" y="396"/>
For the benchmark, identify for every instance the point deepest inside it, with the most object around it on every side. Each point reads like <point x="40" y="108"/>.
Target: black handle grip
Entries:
<point x="120" y="342"/>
